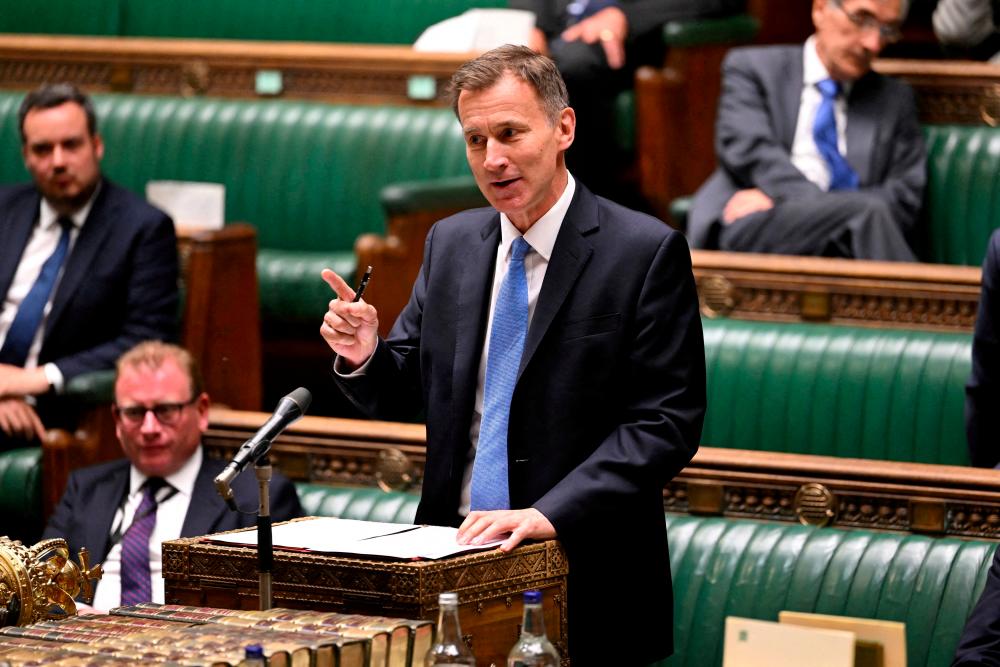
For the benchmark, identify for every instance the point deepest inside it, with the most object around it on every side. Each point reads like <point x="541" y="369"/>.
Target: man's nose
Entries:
<point x="58" y="157"/>
<point x="150" y="424"/>
<point x="873" y="41"/>
<point x="496" y="156"/>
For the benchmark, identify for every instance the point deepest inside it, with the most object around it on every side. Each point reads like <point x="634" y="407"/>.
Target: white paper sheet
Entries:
<point x="366" y="538"/>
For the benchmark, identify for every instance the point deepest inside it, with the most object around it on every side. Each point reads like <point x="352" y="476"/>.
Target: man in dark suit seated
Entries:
<point x="982" y="392"/>
<point x="598" y="45"/>
<point x="87" y="269"/>
<point x="123" y="510"/>
<point x="553" y="343"/>
<point x="818" y="155"/>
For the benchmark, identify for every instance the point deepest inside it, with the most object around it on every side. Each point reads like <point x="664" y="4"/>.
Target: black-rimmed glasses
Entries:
<point x="165" y="413"/>
<point x="864" y="21"/>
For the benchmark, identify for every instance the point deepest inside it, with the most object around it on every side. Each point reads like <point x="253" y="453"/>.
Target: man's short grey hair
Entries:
<point x="536" y="70"/>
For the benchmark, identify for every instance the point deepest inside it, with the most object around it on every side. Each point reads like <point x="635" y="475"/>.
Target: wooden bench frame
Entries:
<point x="819" y="490"/>
<point x="347" y="73"/>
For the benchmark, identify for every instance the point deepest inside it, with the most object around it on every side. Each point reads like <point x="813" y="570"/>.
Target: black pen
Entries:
<point x="364" y="283"/>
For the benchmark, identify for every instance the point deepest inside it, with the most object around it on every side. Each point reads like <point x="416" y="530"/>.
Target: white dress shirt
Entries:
<point x="41" y="244"/>
<point x="805" y="156"/>
<point x="170" y="513"/>
<point x="542" y="238"/>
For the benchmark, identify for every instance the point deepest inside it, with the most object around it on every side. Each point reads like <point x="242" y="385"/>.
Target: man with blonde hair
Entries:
<point x="123" y="510"/>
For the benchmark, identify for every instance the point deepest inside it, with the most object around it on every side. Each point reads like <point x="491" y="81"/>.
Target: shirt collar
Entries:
<point x="47" y="215"/>
<point x="813" y="69"/>
<point x="183" y="479"/>
<point x="542" y="235"/>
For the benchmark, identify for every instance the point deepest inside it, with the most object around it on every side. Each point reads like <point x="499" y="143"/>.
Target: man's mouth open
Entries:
<point x="501" y="185"/>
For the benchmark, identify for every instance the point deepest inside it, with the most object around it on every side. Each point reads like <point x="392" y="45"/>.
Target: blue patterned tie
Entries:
<point x="842" y="176"/>
<point x="137" y="583"/>
<point x="30" y="312"/>
<point x="490" y="490"/>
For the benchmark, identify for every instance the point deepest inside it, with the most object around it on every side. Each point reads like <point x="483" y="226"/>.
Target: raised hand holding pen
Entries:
<point x="349" y="327"/>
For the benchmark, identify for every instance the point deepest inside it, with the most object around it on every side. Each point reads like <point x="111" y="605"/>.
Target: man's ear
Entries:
<point x="99" y="147"/>
<point x="567" y="128"/>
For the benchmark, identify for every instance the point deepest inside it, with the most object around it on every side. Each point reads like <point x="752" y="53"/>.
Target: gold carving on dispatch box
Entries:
<point x="393" y="470"/>
<point x="716" y="295"/>
<point x="40" y="582"/>
<point x="815" y="505"/>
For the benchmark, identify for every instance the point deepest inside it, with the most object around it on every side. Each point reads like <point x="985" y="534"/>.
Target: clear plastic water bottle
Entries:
<point x="253" y="656"/>
<point x="449" y="648"/>
<point x="534" y="647"/>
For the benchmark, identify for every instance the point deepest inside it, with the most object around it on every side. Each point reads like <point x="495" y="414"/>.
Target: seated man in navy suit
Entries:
<point x="818" y="154"/>
<point x="87" y="269"/>
<point x="123" y="510"/>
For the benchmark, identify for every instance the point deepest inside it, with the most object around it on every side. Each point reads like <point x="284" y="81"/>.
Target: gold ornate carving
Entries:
<point x="40" y="582"/>
<point x="875" y="512"/>
<point x="195" y="78"/>
<point x="815" y="505"/>
<point x="716" y="295"/>
<point x="393" y="470"/>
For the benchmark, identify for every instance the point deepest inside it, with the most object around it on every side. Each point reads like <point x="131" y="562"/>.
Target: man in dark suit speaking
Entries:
<point x="87" y="270"/>
<point x="553" y="343"/>
<point x="818" y="155"/>
<point x="123" y="510"/>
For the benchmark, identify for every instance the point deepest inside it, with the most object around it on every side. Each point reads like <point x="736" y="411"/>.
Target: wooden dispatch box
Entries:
<point x="489" y="586"/>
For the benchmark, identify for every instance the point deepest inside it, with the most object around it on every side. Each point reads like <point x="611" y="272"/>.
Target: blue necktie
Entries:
<point x="490" y="490"/>
<point x="29" y="313"/>
<point x="842" y="177"/>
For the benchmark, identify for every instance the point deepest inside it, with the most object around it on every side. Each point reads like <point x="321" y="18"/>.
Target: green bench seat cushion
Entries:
<point x="724" y="567"/>
<point x="836" y="390"/>
<point x="963" y="192"/>
<point x="349" y="502"/>
<point x="291" y="289"/>
<point x="21" y="493"/>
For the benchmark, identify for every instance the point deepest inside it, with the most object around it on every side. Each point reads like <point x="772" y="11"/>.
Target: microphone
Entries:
<point x="289" y="409"/>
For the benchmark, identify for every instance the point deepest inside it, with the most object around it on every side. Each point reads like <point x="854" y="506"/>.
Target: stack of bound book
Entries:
<point x="180" y="635"/>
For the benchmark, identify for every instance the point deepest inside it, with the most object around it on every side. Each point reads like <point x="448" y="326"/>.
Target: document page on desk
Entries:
<point x="365" y="538"/>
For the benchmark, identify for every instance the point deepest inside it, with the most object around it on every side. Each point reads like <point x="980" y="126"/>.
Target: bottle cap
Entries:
<point x="532" y="597"/>
<point x="253" y="651"/>
<point x="448" y="598"/>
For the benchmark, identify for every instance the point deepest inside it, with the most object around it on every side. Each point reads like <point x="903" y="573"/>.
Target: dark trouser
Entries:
<point x="832" y="224"/>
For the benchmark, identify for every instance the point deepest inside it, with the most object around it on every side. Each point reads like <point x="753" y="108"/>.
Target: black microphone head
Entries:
<point x="301" y="397"/>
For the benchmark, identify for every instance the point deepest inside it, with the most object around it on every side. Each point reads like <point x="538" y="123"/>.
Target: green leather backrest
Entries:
<point x="62" y="17"/>
<point x="349" y="502"/>
<point x="384" y="22"/>
<point x="962" y="205"/>
<point x="21" y="493"/>
<point x="306" y="175"/>
<point x="726" y="567"/>
<point x="836" y="390"/>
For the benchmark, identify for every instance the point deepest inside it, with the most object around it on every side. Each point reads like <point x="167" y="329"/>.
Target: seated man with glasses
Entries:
<point x="123" y="510"/>
<point x="817" y="154"/>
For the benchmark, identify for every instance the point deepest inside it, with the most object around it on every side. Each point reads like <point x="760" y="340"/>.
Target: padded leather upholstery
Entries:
<point x="21" y="493"/>
<point x="963" y="192"/>
<point x="837" y="390"/>
<point x="726" y="567"/>
<point x="385" y="22"/>
<point x="306" y="175"/>
<point x="350" y="502"/>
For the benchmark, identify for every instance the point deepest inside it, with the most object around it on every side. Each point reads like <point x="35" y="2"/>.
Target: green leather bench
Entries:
<point x="961" y="202"/>
<point x="387" y="22"/>
<point x="843" y="391"/>
<point x="306" y="175"/>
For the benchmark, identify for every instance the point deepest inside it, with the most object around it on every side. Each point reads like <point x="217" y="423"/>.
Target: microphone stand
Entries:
<point x="265" y="546"/>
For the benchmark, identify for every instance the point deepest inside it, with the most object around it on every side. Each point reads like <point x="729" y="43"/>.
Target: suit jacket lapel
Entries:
<point x="862" y="114"/>
<point x="95" y="229"/>
<point x="107" y="500"/>
<point x="206" y="508"/>
<point x="472" y="309"/>
<point x="790" y="97"/>
<point x="569" y="255"/>
<point x="15" y="229"/>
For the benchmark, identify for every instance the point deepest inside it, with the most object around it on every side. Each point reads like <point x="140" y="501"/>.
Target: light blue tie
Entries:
<point x="490" y="490"/>
<point x="32" y="309"/>
<point x="842" y="176"/>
